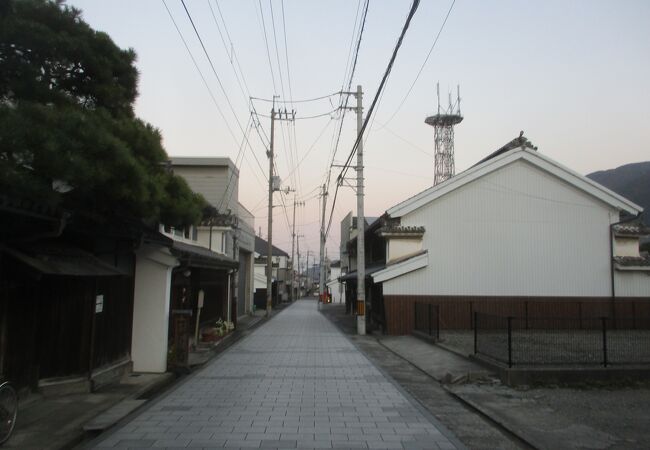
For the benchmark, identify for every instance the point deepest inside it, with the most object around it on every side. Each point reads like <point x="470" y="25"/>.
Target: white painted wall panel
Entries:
<point x="398" y="248"/>
<point x="632" y="283"/>
<point x="151" y="309"/>
<point x="516" y="231"/>
<point x="626" y="246"/>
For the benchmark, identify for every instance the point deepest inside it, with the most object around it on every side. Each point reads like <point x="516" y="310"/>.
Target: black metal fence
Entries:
<point x="427" y="319"/>
<point x="601" y="341"/>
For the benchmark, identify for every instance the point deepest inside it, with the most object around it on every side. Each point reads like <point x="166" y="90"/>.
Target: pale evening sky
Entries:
<point x="572" y="74"/>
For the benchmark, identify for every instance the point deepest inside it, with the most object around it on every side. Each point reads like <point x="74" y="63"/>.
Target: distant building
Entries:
<point x="280" y="276"/>
<point x="217" y="179"/>
<point x="334" y="285"/>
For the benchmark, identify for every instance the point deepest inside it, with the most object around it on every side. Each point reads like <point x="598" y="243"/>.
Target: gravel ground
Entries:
<point x="573" y="418"/>
<point x="589" y="416"/>
<point x="623" y="413"/>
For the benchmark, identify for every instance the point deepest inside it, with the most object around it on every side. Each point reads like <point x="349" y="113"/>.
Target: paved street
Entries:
<point x="296" y="382"/>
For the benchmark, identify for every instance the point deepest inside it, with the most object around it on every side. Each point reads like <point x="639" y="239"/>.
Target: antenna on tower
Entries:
<point x="443" y="126"/>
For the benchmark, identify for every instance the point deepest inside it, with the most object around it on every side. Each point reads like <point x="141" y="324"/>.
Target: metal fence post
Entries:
<point x="604" y="319"/>
<point x="429" y="319"/>
<point x="475" y="333"/>
<point x="438" y="322"/>
<point x="415" y="316"/>
<point x="510" y="342"/>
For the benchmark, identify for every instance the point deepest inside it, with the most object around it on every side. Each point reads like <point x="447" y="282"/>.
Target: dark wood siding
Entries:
<point x="113" y="326"/>
<point x="457" y="312"/>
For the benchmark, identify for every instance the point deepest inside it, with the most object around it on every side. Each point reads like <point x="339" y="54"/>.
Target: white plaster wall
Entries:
<point x="336" y="288"/>
<point x="260" y="277"/>
<point x="632" y="283"/>
<point x="151" y="309"/>
<point x="626" y="246"/>
<point x="398" y="247"/>
<point x="203" y="239"/>
<point x="516" y="231"/>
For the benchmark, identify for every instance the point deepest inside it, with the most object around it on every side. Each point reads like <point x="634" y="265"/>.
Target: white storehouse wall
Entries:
<point x="518" y="231"/>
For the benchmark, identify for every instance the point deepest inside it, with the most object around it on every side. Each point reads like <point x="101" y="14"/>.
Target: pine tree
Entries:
<point x="68" y="134"/>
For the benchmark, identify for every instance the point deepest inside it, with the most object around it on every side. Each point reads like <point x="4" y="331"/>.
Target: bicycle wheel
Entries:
<point x="8" y="411"/>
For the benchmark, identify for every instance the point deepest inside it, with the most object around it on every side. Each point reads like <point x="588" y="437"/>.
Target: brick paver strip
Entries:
<point x="295" y="382"/>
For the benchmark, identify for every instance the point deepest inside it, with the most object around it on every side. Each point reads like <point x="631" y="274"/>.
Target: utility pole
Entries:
<point x="298" y="257"/>
<point x="272" y="187"/>
<point x="361" y="223"/>
<point x="293" y="242"/>
<point x="321" y="278"/>
<point x="307" y="270"/>
<point x="269" y="253"/>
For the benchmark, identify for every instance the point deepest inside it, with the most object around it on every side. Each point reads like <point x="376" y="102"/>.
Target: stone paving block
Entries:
<point x="297" y="436"/>
<point x="284" y="443"/>
<point x="348" y="444"/>
<point x="171" y="443"/>
<point x="296" y="382"/>
<point x="314" y="444"/>
<point x="156" y="436"/>
<point x="211" y="443"/>
<point x="242" y="444"/>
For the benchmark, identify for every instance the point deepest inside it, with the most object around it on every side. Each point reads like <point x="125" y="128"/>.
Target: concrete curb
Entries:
<point x="519" y="434"/>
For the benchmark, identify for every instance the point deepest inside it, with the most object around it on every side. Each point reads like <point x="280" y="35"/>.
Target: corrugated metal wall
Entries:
<point x="516" y="232"/>
<point x="211" y="182"/>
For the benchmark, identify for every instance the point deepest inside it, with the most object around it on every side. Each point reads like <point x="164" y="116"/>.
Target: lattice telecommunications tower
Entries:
<point x="443" y="126"/>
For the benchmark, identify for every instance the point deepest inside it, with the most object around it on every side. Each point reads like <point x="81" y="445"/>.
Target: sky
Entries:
<point x="573" y="75"/>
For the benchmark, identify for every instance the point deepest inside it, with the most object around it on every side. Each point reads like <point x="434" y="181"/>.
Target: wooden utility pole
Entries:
<point x="321" y="278"/>
<point x="269" y="254"/>
<point x="361" y="223"/>
<point x="293" y="242"/>
<point x="274" y="185"/>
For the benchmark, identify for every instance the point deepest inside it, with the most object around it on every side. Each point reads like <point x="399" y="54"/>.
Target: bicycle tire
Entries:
<point x="8" y="411"/>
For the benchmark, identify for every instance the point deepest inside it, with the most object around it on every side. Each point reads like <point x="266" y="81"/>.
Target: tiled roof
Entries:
<point x="262" y="247"/>
<point x="194" y="255"/>
<point x="520" y="141"/>
<point x="58" y="258"/>
<point x="396" y="231"/>
<point x="632" y="261"/>
<point x="631" y="229"/>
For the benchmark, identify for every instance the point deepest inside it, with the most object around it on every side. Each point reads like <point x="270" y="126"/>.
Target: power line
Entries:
<point x="268" y="100"/>
<point x="225" y="47"/>
<point x="414" y="7"/>
<point x="207" y="55"/>
<point x="283" y="126"/>
<point x="293" y="124"/>
<point x="232" y="46"/>
<point x="214" y="100"/>
<point x="384" y="79"/>
<point x="316" y="116"/>
<point x="423" y="63"/>
<point x="237" y="162"/>
<point x="313" y="144"/>
<point x="266" y="41"/>
<point x="354" y="66"/>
